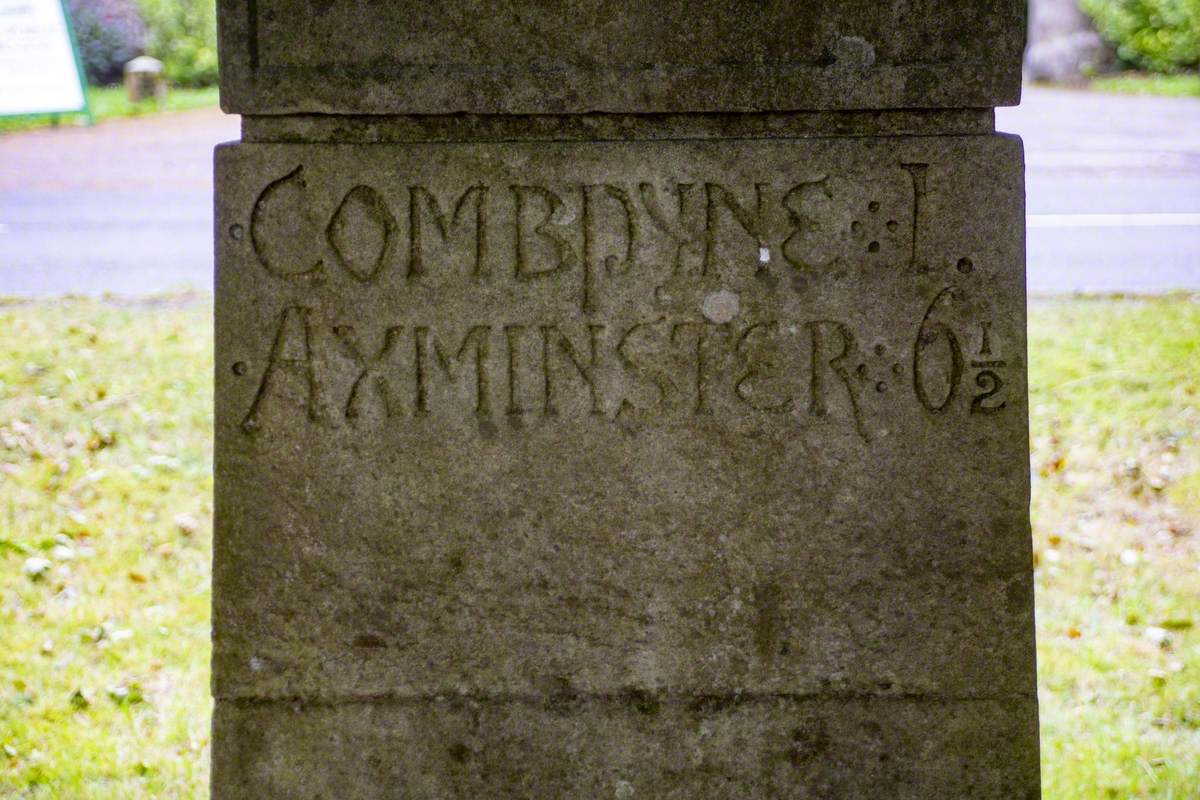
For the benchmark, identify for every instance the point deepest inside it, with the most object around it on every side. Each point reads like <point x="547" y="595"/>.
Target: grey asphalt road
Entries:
<point x="1113" y="191"/>
<point x="126" y="207"/>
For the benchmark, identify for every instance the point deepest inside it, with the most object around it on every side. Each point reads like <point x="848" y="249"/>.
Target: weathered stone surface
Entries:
<point x="634" y="469"/>
<point x="632" y="746"/>
<point x="359" y="57"/>
<point x="367" y="129"/>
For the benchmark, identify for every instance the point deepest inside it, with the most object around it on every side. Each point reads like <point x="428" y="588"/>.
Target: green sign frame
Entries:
<point x="86" y="110"/>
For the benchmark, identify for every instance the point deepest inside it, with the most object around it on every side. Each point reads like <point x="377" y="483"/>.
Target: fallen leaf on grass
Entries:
<point x="188" y="524"/>
<point x="80" y="699"/>
<point x="1158" y="636"/>
<point x="36" y="567"/>
<point x="16" y="547"/>
<point x="1181" y="624"/>
<point x="101" y="438"/>
<point x="126" y="695"/>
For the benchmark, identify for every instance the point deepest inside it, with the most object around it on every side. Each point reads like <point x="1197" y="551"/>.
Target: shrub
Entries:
<point x="1157" y="35"/>
<point x="109" y="33"/>
<point x="183" y="35"/>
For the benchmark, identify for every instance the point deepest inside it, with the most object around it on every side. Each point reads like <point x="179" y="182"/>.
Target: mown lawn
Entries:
<point x="1116" y="517"/>
<point x="1186" y="84"/>
<point x="109" y="102"/>
<point x="105" y="541"/>
<point x="105" y="534"/>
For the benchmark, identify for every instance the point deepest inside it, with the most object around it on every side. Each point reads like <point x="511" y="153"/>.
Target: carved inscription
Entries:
<point x="691" y="348"/>
<point x="280" y="220"/>
<point x="361" y="233"/>
<point x="578" y="237"/>
<point x="423" y="205"/>
<point x="341" y="373"/>
<point x="938" y="359"/>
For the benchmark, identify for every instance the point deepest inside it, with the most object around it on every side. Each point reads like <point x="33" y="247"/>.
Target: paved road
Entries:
<point x="1113" y="187"/>
<point x="125" y="207"/>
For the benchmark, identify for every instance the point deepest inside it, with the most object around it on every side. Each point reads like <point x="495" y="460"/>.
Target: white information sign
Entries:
<point x="38" y="70"/>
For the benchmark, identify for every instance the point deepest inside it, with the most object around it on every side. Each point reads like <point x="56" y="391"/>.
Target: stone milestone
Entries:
<point x="621" y="400"/>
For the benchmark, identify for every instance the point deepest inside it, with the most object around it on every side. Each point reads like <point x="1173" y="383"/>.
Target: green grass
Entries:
<point x="1184" y="85"/>
<point x="109" y="102"/>
<point x="1115" y="419"/>
<point x="105" y="472"/>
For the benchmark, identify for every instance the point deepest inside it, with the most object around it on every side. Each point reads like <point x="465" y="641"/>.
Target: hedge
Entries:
<point x="1155" y="35"/>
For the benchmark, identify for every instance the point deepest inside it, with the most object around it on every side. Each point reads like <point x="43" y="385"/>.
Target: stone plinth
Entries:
<point x="630" y="56"/>
<point x="665" y="455"/>
<point x="733" y="430"/>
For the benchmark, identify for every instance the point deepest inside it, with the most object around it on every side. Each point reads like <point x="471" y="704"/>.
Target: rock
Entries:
<point x="1063" y="46"/>
<point x="622" y="403"/>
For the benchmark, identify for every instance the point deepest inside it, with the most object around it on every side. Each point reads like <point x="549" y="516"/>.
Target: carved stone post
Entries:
<point x="622" y="399"/>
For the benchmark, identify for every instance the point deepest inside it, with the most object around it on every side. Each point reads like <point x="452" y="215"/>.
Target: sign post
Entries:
<point x="40" y="68"/>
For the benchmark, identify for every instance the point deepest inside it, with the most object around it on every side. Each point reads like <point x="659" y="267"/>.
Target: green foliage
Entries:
<point x="108" y="33"/>
<point x="183" y="35"/>
<point x="1158" y="35"/>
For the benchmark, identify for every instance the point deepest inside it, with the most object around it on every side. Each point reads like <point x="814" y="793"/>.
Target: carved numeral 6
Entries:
<point x="928" y="335"/>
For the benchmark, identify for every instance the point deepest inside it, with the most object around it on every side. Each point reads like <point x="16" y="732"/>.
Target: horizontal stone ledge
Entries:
<point x="367" y="129"/>
<point x="634" y="697"/>
<point x="830" y="748"/>
<point x="634" y="57"/>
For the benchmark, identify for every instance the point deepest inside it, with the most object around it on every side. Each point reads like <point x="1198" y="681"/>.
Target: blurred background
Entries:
<point x="106" y="402"/>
